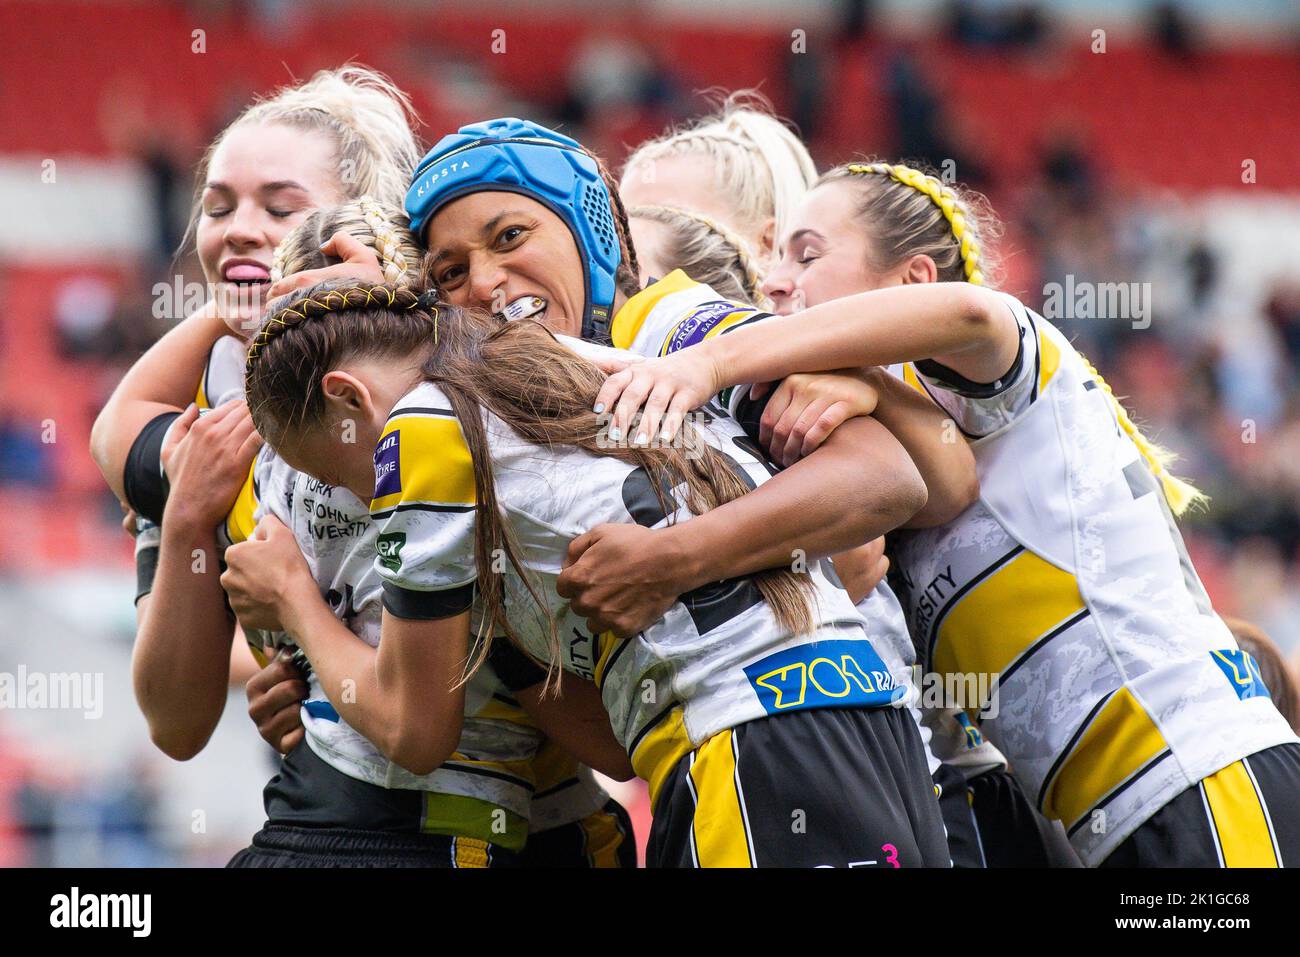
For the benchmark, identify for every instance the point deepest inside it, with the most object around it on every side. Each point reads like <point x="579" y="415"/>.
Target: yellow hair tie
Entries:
<point x="941" y="196"/>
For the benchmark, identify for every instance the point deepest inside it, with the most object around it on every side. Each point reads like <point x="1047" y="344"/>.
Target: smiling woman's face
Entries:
<point x="491" y="248"/>
<point x="262" y="181"/>
<point x="824" y="255"/>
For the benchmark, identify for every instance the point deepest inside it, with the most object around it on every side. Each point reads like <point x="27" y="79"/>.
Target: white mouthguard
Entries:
<point x="523" y="308"/>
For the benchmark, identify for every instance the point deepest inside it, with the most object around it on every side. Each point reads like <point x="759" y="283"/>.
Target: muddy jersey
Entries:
<point x="718" y="658"/>
<point x="1112" y="684"/>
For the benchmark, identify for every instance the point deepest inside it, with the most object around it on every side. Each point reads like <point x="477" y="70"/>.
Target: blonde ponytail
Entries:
<point x="1180" y="494"/>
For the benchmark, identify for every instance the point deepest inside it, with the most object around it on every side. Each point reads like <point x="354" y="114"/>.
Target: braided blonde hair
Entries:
<point x="759" y="163"/>
<point x="910" y="212"/>
<point x="371" y="223"/>
<point x="707" y="251"/>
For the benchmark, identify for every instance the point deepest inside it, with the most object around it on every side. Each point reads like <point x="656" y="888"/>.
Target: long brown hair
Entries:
<point x="518" y="372"/>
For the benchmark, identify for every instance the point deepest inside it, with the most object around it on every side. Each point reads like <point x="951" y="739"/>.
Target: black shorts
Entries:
<point x="317" y="816"/>
<point x="992" y="823"/>
<point x="1246" y="815"/>
<point x="602" y="839"/>
<point x="281" y="845"/>
<point x="829" y="787"/>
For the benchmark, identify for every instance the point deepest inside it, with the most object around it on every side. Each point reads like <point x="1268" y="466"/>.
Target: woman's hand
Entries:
<point x="275" y="695"/>
<point x="266" y="575"/>
<point x="207" y="461"/>
<point x="861" y="569"/>
<point x="359" y="262"/>
<point x="616" y="578"/>
<point x="667" y="387"/>
<point x="806" y="408"/>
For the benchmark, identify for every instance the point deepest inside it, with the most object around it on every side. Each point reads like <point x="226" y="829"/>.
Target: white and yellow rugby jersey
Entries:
<point x="223" y="374"/>
<point x="1068" y="584"/>
<point x="717" y="658"/>
<point x="496" y="762"/>
<point x="676" y="312"/>
<point x="492" y="762"/>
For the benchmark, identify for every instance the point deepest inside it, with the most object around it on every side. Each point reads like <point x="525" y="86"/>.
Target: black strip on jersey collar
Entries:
<point x="419" y="410"/>
<point x="956" y="382"/>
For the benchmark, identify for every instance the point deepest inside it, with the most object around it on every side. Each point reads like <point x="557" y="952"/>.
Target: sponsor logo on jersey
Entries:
<point x="823" y="674"/>
<point x="389" y="546"/>
<point x="692" y="330"/>
<point x="1242" y="671"/>
<point x="973" y="737"/>
<point x="388" y="466"/>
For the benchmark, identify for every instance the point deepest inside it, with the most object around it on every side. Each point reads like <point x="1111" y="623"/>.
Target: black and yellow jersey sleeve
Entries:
<point x="423" y="506"/>
<point x="242" y="517"/>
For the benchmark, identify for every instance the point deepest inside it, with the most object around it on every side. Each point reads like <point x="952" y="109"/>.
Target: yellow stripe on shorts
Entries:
<point x="469" y="852"/>
<point x="719" y="831"/>
<point x="659" y="750"/>
<point x="602" y="838"/>
<point x="1239" y="818"/>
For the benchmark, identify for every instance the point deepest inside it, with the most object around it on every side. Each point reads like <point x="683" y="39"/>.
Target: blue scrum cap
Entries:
<point x="518" y="156"/>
